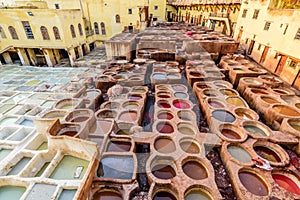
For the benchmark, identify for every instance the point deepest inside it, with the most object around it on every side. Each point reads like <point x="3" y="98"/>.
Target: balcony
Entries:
<point x="89" y="33"/>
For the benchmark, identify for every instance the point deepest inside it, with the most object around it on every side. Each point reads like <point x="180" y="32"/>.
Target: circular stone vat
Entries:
<point x="222" y="84"/>
<point x="210" y="92"/>
<point x="107" y="195"/>
<point x="294" y="123"/>
<point x="202" y="86"/>
<point x="159" y="76"/>
<point x="128" y="116"/>
<point x="163" y="195"/>
<point x="138" y="90"/>
<point x="267" y="153"/>
<point x="215" y="103"/>
<point x="131" y="105"/>
<point x="190" y="146"/>
<point x="164" y="95"/>
<point x="239" y="153"/>
<point x="134" y="97"/>
<point x="163" y="104"/>
<point x="288" y="181"/>
<point x="223" y="116"/>
<point x="194" y="169"/>
<point x="253" y="183"/>
<point x="228" y="92"/>
<point x="186" y="129"/>
<point x="195" y="74"/>
<point x="163" y="88"/>
<point x="173" y="75"/>
<point x="118" y="146"/>
<point x="256" y="128"/>
<point x="259" y="91"/>
<point x="163" y="171"/>
<point x="165" y="115"/>
<point x="197" y="194"/>
<point x="66" y="104"/>
<point x="164" y="145"/>
<point x="111" y="105"/>
<point x="164" y="127"/>
<point x="236" y="101"/>
<point x="297" y="105"/>
<point x="106" y="114"/>
<point x="246" y="114"/>
<point x="186" y="115"/>
<point x="179" y="88"/>
<point x="79" y="115"/>
<point x="55" y="114"/>
<point x="180" y="95"/>
<point x="281" y="91"/>
<point x="252" y="81"/>
<point x="230" y="131"/>
<point x="269" y="100"/>
<point x="286" y="110"/>
<point x="181" y="104"/>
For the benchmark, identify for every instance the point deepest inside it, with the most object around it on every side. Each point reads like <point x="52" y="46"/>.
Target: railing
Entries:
<point x="224" y="15"/>
<point x="89" y="33"/>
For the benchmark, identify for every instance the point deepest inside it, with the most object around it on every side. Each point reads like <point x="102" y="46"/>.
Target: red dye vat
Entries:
<point x="164" y="128"/>
<point x="286" y="183"/>
<point x="164" y="105"/>
<point x="181" y="105"/>
<point x="167" y="116"/>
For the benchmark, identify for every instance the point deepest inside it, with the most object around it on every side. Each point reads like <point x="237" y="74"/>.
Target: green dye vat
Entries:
<point x="197" y="195"/>
<point x="43" y="146"/>
<point x="239" y="154"/>
<point x="70" y="168"/>
<point x="41" y="192"/>
<point x="4" y="153"/>
<point x="32" y="82"/>
<point x="254" y="130"/>
<point x="19" y="166"/>
<point x="11" y="192"/>
<point x="67" y="107"/>
<point x="67" y="195"/>
<point x="42" y="169"/>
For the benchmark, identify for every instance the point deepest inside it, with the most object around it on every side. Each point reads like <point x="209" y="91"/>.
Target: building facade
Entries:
<point x="270" y="31"/>
<point x="220" y="15"/>
<point x="44" y="32"/>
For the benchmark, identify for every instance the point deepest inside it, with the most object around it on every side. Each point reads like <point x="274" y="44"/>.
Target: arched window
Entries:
<point x="13" y="33"/>
<point x="56" y="33"/>
<point x="72" y="31"/>
<point x="45" y="33"/>
<point x="96" y="28"/>
<point x="103" y="28"/>
<point x="2" y="33"/>
<point x="80" y="29"/>
<point x="118" y="20"/>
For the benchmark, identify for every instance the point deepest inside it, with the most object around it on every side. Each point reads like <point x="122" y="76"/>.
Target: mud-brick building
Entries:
<point x="35" y="32"/>
<point x="270" y="30"/>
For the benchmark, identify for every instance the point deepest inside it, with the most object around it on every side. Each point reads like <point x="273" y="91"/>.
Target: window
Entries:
<point x="130" y="11"/>
<point x="234" y="10"/>
<point x="80" y="29"/>
<point x="96" y="27"/>
<point x="103" y="28"/>
<point x="267" y="26"/>
<point x="118" y="20"/>
<point x="28" y="29"/>
<point x="30" y="13"/>
<point x="13" y="33"/>
<point x="255" y="14"/>
<point x="44" y="32"/>
<point x="155" y="7"/>
<point x="247" y="41"/>
<point x="286" y="27"/>
<point x="293" y="64"/>
<point x="2" y="33"/>
<point x="72" y="31"/>
<point x="56" y="6"/>
<point x="297" y="37"/>
<point x="276" y="55"/>
<point x="259" y="46"/>
<point x="56" y="33"/>
<point x="244" y="13"/>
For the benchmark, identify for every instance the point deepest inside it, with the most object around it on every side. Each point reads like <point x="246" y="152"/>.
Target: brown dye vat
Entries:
<point x="107" y="114"/>
<point x="279" y="91"/>
<point x="107" y="195"/>
<point x="297" y="105"/>
<point x="79" y="119"/>
<point x="295" y="124"/>
<point x="253" y="183"/>
<point x="194" y="170"/>
<point x="67" y="133"/>
<point x="190" y="147"/>
<point x="228" y="92"/>
<point x="163" y="196"/>
<point x="128" y="116"/>
<point x="267" y="153"/>
<point x="165" y="115"/>
<point x="164" y="145"/>
<point x="164" y="127"/>
<point x="230" y="134"/>
<point x="269" y="100"/>
<point x="118" y="146"/>
<point x="257" y="91"/>
<point x="236" y="101"/>
<point x="215" y="104"/>
<point x="195" y="74"/>
<point x="162" y="171"/>
<point x="285" y="110"/>
<point x="202" y="86"/>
